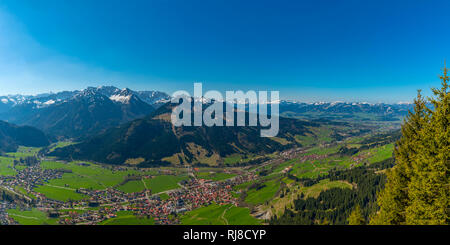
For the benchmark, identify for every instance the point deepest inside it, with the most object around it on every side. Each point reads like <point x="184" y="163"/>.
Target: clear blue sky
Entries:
<point x="375" y="51"/>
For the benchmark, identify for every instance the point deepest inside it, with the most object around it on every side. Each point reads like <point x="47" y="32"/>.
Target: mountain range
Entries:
<point x="346" y="111"/>
<point x="125" y="126"/>
<point x="153" y="140"/>
<point x="79" y="114"/>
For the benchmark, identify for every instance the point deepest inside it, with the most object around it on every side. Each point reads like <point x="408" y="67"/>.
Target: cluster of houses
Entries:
<point x="30" y="177"/>
<point x="196" y="193"/>
<point x="359" y="158"/>
<point x="105" y="204"/>
<point x="4" y="217"/>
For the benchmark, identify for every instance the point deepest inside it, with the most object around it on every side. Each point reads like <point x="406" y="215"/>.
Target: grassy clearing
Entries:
<point x="306" y="140"/>
<point x="164" y="196"/>
<point x="31" y="217"/>
<point x="23" y="152"/>
<point x="132" y="186"/>
<point x="282" y="141"/>
<point x="6" y="167"/>
<point x="164" y="183"/>
<point x="323" y="150"/>
<point x="264" y="194"/>
<point x="127" y="218"/>
<point x="86" y="175"/>
<point x="381" y="153"/>
<point x="323" y="185"/>
<point x="243" y="185"/>
<point x="214" y="176"/>
<point x="305" y="170"/>
<point x="219" y="215"/>
<point x="60" y="144"/>
<point x="59" y="193"/>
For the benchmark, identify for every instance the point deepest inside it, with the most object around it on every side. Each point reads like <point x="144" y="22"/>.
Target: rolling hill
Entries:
<point x="11" y="136"/>
<point x="153" y="140"/>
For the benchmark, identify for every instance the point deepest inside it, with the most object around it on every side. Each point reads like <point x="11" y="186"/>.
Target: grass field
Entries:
<point x="92" y="176"/>
<point x="164" y="196"/>
<point x="59" y="193"/>
<point x="60" y="144"/>
<point x="86" y="175"/>
<point x="164" y="183"/>
<point x="6" y="166"/>
<point x="127" y="218"/>
<point x="381" y="153"/>
<point x="233" y="159"/>
<point x="23" y="152"/>
<point x="282" y="141"/>
<point x="323" y="185"/>
<point x="132" y="186"/>
<point x="219" y="215"/>
<point x="323" y="150"/>
<point x="214" y="176"/>
<point x="264" y="194"/>
<point x="238" y="158"/>
<point x="31" y="217"/>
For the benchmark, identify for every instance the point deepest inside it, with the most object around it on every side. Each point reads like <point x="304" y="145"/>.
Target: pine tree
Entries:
<point x="394" y="199"/>
<point x="356" y="217"/>
<point x="429" y="186"/>
<point x="417" y="188"/>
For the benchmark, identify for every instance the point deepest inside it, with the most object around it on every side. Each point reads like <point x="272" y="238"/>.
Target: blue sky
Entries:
<point x="374" y="51"/>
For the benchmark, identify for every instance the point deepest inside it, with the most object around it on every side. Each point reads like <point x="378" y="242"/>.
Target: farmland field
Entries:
<point x="59" y="193"/>
<point x="132" y="186"/>
<point x="273" y="190"/>
<point x="31" y="217"/>
<point x="162" y="183"/>
<point x="214" y="176"/>
<point x="6" y="166"/>
<point x="127" y="218"/>
<point x="219" y="215"/>
<point x="264" y="194"/>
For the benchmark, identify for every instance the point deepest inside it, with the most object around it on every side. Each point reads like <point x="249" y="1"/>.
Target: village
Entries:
<point x="105" y="204"/>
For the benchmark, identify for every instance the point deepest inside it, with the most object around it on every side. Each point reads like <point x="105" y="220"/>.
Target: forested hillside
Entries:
<point x="11" y="136"/>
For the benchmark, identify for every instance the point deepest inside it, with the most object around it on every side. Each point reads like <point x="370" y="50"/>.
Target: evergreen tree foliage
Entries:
<point x="356" y="217"/>
<point x="417" y="189"/>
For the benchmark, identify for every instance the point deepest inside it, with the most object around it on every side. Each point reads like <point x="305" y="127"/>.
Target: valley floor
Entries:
<point x="40" y="190"/>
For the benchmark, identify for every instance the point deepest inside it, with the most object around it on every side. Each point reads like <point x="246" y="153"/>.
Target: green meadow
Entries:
<point x="59" y="193"/>
<point x="219" y="215"/>
<point x="31" y="217"/>
<point x="6" y="166"/>
<point x="127" y="218"/>
<point x="132" y="186"/>
<point x="323" y="185"/>
<point x="162" y="183"/>
<point x="214" y="176"/>
<point x="264" y="194"/>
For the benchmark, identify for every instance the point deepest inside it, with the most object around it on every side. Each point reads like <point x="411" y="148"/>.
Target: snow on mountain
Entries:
<point x="120" y="98"/>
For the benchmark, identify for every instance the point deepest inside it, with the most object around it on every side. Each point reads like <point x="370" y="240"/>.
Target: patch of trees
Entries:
<point x="257" y="186"/>
<point x="335" y="205"/>
<point x="344" y="151"/>
<point x="306" y="182"/>
<point x="385" y="164"/>
<point x="27" y="161"/>
<point x="382" y="139"/>
<point x="6" y="196"/>
<point x="264" y="172"/>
